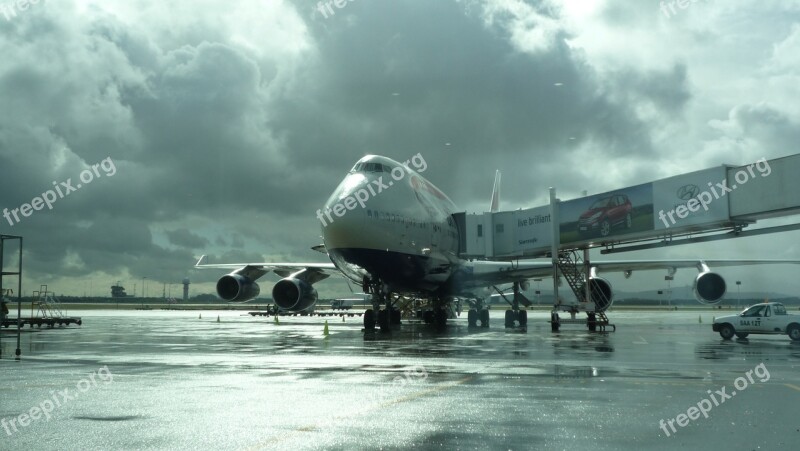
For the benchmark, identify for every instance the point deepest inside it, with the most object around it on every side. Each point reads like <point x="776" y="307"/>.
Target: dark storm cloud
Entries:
<point x="229" y="124"/>
<point x="431" y="75"/>
<point x="185" y="238"/>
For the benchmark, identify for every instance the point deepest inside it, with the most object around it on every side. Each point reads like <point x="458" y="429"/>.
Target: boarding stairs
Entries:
<point x="573" y="268"/>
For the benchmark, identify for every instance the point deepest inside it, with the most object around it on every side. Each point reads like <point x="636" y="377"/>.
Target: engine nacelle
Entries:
<point x="237" y="288"/>
<point x="709" y="287"/>
<point x="601" y="293"/>
<point x="294" y="295"/>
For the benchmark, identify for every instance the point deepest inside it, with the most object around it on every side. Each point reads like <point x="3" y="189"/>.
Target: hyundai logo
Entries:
<point x="687" y="192"/>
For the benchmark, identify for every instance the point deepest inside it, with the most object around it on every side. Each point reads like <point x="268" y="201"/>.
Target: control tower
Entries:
<point x="186" y="289"/>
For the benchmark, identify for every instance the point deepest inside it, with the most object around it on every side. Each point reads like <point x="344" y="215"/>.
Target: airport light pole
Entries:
<point x="738" y="293"/>
<point x="143" y="279"/>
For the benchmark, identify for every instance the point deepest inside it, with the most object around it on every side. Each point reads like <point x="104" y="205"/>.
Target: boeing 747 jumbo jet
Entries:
<point x="391" y="231"/>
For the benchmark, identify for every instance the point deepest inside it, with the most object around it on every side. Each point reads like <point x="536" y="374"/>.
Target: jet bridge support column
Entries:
<point x="555" y="244"/>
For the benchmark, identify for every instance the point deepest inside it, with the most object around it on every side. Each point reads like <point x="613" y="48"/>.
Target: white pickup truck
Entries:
<point x="766" y="318"/>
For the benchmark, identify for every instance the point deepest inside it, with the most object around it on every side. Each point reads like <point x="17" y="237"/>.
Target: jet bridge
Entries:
<point x="715" y="203"/>
<point x="711" y="204"/>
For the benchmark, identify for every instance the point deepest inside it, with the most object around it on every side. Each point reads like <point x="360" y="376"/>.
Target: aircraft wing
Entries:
<point x="485" y="272"/>
<point x="255" y="270"/>
<point x="634" y="265"/>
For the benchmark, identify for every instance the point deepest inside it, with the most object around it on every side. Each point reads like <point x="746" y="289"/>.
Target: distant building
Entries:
<point x="186" y="289"/>
<point x="118" y="291"/>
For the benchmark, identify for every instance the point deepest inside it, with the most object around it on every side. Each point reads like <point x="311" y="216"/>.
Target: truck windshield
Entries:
<point x="756" y="310"/>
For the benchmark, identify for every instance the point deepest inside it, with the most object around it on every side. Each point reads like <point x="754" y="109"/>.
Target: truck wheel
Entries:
<point x="726" y="331"/>
<point x="794" y="332"/>
<point x="741" y="334"/>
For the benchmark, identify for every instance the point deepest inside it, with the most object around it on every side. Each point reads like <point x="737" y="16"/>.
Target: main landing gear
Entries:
<point x="478" y="314"/>
<point x="515" y="318"/>
<point x="436" y="317"/>
<point x="386" y="318"/>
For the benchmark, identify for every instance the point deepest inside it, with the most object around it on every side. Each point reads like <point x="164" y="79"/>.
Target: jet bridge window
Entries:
<point x="480" y="230"/>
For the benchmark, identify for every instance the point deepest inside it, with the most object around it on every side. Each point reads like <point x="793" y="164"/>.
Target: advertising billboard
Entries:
<point x="610" y="215"/>
<point x="691" y="200"/>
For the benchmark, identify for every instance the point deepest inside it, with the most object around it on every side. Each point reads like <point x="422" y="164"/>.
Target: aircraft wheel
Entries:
<point x="509" y="319"/>
<point x="555" y="322"/>
<point x="591" y="321"/>
<point x="427" y="316"/>
<point x="395" y="316"/>
<point x="383" y="319"/>
<point x="369" y="319"/>
<point x="472" y="318"/>
<point x="522" y="317"/>
<point x="440" y="318"/>
<point x="726" y="332"/>
<point x="483" y="315"/>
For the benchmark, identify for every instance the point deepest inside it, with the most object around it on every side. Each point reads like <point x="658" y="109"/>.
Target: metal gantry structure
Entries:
<point x="12" y="273"/>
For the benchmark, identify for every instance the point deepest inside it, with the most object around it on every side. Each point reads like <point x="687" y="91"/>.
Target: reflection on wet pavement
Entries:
<point x="182" y="382"/>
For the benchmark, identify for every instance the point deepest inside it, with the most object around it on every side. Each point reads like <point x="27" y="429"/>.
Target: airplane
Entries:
<point x="391" y="231"/>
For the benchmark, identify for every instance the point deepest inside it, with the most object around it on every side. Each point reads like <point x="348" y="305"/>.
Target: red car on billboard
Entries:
<point x="605" y="214"/>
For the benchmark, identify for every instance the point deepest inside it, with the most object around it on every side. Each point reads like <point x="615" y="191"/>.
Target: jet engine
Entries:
<point x="294" y="294"/>
<point x="601" y="292"/>
<point x="237" y="288"/>
<point x="709" y="287"/>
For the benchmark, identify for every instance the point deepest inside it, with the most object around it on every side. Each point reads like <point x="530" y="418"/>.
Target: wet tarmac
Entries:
<point x="171" y="380"/>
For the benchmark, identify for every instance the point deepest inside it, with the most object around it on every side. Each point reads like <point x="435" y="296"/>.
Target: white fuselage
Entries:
<point x="386" y="221"/>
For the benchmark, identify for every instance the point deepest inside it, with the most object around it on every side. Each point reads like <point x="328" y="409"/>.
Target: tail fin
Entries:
<point x="495" y="206"/>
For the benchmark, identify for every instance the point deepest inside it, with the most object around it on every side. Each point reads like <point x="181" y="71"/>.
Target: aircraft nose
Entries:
<point x="342" y="218"/>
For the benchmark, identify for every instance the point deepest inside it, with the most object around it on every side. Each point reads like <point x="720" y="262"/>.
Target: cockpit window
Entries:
<point x="370" y="167"/>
